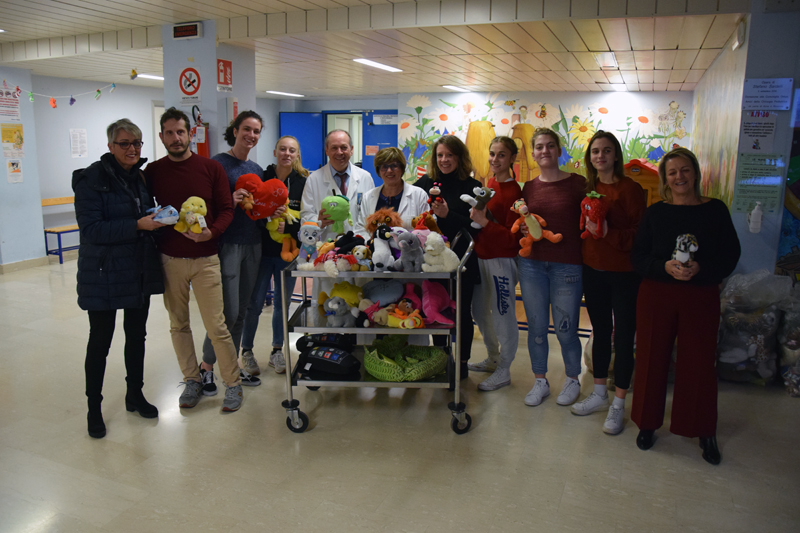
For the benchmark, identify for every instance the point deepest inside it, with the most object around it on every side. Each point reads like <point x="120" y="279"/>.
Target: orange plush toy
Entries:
<point x="535" y="225"/>
<point x="384" y="215"/>
<point x="264" y="196"/>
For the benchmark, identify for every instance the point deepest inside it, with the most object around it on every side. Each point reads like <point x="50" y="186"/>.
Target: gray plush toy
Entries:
<point x="410" y="253"/>
<point x="338" y="313"/>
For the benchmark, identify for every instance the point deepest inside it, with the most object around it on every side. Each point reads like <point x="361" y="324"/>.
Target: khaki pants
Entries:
<point x="204" y="275"/>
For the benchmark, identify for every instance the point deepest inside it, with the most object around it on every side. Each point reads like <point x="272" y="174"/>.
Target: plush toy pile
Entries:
<point x="391" y="359"/>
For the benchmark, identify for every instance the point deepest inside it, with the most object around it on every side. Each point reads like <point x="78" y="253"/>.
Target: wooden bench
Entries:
<point x="58" y="231"/>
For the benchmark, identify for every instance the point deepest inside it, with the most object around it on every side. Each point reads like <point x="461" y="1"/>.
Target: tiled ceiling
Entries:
<point x="653" y="53"/>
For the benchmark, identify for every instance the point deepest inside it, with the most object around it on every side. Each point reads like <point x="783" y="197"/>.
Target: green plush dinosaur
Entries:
<point x="338" y="208"/>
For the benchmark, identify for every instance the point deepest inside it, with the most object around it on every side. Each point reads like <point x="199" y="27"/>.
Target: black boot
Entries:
<point x="134" y="401"/>
<point x="646" y="439"/>
<point x="710" y="450"/>
<point x="96" y="426"/>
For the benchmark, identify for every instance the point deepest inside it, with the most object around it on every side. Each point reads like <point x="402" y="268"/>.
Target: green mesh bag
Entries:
<point x="391" y="359"/>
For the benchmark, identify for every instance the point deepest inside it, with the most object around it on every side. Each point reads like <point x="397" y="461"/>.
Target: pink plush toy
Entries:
<point x="435" y="300"/>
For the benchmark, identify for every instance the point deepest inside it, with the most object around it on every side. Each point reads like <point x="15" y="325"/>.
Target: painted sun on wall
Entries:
<point x="647" y="125"/>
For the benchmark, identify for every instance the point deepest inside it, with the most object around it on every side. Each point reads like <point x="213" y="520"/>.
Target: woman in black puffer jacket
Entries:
<point x="118" y="266"/>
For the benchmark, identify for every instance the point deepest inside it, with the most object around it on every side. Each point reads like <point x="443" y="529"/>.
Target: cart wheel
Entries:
<point x="313" y="389"/>
<point x="303" y="423"/>
<point x="460" y="430"/>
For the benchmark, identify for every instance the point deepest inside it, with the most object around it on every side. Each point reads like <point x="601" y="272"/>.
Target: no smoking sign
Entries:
<point x="189" y="82"/>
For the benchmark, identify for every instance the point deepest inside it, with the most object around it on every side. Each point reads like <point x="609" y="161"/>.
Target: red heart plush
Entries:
<point x="267" y="195"/>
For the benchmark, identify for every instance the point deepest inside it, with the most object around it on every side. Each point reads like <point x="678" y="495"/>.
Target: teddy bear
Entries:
<point x="410" y="253"/>
<point x="593" y="208"/>
<point x="384" y="215"/>
<point x="534" y="223"/>
<point x="479" y="202"/>
<point x="337" y="312"/>
<point x="363" y="257"/>
<point x="425" y="220"/>
<point x="192" y="215"/>
<point x="338" y="208"/>
<point x="308" y="237"/>
<point x="438" y="257"/>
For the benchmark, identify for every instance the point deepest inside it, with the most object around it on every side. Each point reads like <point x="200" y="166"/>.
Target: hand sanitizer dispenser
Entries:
<point x="754" y="218"/>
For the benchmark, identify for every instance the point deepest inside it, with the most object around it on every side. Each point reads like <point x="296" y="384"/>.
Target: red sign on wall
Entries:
<point x="224" y="75"/>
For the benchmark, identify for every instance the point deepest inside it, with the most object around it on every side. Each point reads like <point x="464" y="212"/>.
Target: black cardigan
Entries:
<point x="118" y="265"/>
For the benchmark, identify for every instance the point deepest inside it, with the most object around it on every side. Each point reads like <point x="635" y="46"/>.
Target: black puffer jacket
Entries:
<point x="118" y="266"/>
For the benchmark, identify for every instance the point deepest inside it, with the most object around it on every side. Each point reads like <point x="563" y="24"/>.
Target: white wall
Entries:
<point x="269" y="110"/>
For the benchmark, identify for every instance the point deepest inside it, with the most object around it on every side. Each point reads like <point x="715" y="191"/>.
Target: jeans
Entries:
<point x="101" y="331"/>
<point x="270" y="269"/>
<point x="546" y="285"/>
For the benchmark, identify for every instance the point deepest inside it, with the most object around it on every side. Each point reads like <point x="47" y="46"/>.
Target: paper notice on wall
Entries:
<point x="78" y="143"/>
<point x="9" y="104"/>
<point x="758" y="131"/>
<point x="759" y="178"/>
<point x="14" y="169"/>
<point x="13" y="141"/>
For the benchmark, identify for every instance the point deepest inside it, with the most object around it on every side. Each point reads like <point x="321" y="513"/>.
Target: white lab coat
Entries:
<point x="320" y="184"/>
<point x="413" y="203"/>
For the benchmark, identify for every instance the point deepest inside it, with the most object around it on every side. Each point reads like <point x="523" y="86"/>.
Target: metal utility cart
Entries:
<point x="303" y="321"/>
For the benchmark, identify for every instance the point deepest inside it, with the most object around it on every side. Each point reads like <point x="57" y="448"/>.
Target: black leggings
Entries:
<point x="101" y="332"/>
<point x="611" y="303"/>
<point x="467" y="327"/>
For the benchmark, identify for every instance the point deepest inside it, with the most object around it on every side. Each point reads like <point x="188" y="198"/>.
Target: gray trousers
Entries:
<point x="494" y="308"/>
<point x="239" y="267"/>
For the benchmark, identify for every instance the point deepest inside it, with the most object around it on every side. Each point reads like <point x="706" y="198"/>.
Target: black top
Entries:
<point x="718" y="247"/>
<point x="118" y="265"/>
<point x="295" y="183"/>
<point x="392" y="202"/>
<point x="458" y="215"/>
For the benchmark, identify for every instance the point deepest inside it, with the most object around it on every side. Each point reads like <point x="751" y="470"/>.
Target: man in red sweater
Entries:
<point x="191" y="258"/>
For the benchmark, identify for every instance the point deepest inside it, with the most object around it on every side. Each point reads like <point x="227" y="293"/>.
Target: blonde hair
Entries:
<point x="663" y="189"/>
<point x="297" y="164"/>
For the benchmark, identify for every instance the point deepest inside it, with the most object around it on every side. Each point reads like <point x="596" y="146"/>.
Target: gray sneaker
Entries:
<point x="191" y="394"/>
<point x="233" y="399"/>
<point x="277" y="361"/>
<point x="249" y="363"/>
<point x="487" y="365"/>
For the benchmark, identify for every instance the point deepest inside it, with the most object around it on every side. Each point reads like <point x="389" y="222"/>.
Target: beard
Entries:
<point x="177" y="150"/>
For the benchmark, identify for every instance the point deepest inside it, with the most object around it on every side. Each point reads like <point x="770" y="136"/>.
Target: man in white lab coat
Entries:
<point x="337" y="177"/>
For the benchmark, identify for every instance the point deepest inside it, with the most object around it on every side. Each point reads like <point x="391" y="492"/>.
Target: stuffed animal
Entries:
<point x="337" y="312"/>
<point x="426" y="220"/>
<point x="383" y="291"/>
<point x="393" y="243"/>
<point x="363" y="257"/>
<point x="594" y="207"/>
<point x="308" y="236"/>
<point x="166" y="215"/>
<point x="371" y="313"/>
<point x="382" y="257"/>
<point x="685" y="247"/>
<point x="482" y="197"/>
<point x="332" y="263"/>
<point x="348" y="241"/>
<point x="289" y="249"/>
<point x="434" y="195"/>
<point x="338" y="208"/>
<point x="384" y="215"/>
<point x="351" y="293"/>
<point x="190" y="216"/>
<point x="267" y="196"/>
<point x="435" y="300"/>
<point x="405" y="319"/>
<point x="410" y="253"/>
<point x="437" y="256"/>
<point x="535" y="225"/>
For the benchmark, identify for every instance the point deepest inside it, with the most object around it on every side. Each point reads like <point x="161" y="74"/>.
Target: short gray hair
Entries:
<point x="122" y="124"/>
<point x="349" y="139"/>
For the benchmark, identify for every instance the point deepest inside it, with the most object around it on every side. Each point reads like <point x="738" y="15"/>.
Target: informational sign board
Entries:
<point x="767" y="94"/>
<point x="189" y="82"/>
<point x="13" y="140"/>
<point x="384" y="120"/>
<point x="758" y="179"/>
<point x="758" y="131"/>
<point x="9" y="104"/>
<point x="14" y="170"/>
<point x="224" y="75"/>
<point x="78" y="143"/>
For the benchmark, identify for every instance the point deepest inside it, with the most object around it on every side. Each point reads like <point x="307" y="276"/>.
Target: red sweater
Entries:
<point x="172" y="182"/>
<point x="625" y="210"/>
<point x="559" y="204"/>
<point x="496" y="239"/>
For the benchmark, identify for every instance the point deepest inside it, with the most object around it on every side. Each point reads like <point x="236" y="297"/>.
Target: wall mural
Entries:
<point x="647" y="125"/>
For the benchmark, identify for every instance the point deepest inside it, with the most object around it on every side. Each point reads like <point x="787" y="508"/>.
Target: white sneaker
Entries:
<point x="614" y="421"/>
<point x="249" y="363"/>
<point x="540" y="391"/>
<point x="277" y="361"/>
<point x="591" y="404"/>
<point x="487" y="365"/>
<point x="501" y="378"/>
<point x="570" y="392"/>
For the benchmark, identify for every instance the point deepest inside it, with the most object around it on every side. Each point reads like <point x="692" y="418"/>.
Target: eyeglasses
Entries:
<point x="125" y="144"/>
<point x="390" y="166"/>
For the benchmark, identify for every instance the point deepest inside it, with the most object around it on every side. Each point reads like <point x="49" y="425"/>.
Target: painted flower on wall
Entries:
<point x="440" y="120"/>
<point x="581" y="131"/>
<point x="646" y="122"/>
<point x="418" y="102"/>
<point x="407" y="129"/>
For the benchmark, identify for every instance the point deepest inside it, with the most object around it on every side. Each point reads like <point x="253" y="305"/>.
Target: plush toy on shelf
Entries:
<point x="363" y="257"/>
<point x="382" y="257"/>
<point x="436" y="300"/>
<point x="338" y="208"/>
<point x="535" y="225"/>
<point x="425" y="220"/>
<point x="482" y="197"/>
<point x="593" y="208"/>
<point x="410" y="253"/>
<point x="192" y="215"/>
<point x="308" y="237"/>
<point x="438" y="257"/>
<point x="384" y="215"/>
<point x="337" y="312"/>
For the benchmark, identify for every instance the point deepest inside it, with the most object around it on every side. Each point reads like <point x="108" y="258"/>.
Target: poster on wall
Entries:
<point x="759" y="178"/>
<point x="14" y="170"/>
<point x="189" y="82"/>
<point x="758" y="131"/>
<point x="224" y="76"/>
<point x="13" y="140"/>
<point x="9" y="104"/>
<point x="78" y="143"/>
<point x="767" y="93"/>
